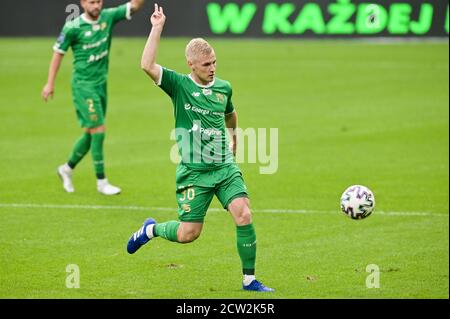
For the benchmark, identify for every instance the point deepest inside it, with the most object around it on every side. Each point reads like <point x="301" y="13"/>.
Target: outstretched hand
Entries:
<point x="158" y="18"/>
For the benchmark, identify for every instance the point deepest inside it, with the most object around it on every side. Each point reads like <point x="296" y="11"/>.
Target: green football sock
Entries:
<point x="167" y="230"/>
<point x="97" y="154"/>
<point x="246" y="245"/>
<point x="80" y="149"/>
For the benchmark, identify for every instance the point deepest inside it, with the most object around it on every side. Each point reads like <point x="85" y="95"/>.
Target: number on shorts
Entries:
<point x="189" y="194"/>
<point x="90" y="103"/>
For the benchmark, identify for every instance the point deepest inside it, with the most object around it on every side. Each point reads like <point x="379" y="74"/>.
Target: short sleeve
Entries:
<point x="169" y="82"/>
<point x="230" y="107"/>
<point x="122" y="12"/>
<point x="65" y="39"/>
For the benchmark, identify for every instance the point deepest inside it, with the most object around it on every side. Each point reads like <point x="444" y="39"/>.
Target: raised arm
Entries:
<point x="148" y="61"/>
<point x="136" y="5"/>
<point x="49" y="88"/>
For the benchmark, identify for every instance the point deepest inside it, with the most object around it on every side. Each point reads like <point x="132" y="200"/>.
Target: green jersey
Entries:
<point x="202" y="138"/>
<point x="91" y="42"/>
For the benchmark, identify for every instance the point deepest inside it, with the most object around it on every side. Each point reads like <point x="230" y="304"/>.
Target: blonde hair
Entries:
<point x="197" y="47"/>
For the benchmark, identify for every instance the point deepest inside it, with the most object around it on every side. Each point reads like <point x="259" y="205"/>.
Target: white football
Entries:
<point x="357" y="202"/>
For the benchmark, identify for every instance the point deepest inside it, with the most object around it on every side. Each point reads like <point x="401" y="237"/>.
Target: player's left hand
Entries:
<point x="47" y="92"/>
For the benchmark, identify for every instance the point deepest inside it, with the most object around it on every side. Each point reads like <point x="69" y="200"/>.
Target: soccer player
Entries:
<point x="204" y="113"/>
<point x="89" y="35"/>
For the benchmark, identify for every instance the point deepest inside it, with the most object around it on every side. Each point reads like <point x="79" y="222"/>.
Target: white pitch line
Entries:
<point x="173" y="209"/>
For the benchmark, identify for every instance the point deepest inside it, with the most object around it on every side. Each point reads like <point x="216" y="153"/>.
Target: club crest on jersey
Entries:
<point x="207" y="92"/>
<point x="220" y="97"/>
<point x="104" y="25"/>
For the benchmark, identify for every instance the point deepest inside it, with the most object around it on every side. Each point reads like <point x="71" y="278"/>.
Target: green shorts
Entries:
<point x="90" y="104"/>
<point x="196" y="189"/>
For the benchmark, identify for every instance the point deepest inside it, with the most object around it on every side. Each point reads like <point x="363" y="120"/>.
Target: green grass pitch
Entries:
<point x="347" y="113"/>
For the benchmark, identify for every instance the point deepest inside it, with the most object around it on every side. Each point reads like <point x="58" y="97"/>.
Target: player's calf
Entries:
<point x="189" y="232"/>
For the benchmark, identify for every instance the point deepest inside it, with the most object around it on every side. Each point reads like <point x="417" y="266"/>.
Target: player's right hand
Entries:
<point x="47" y="91"/>
<point x="158" y="18"/>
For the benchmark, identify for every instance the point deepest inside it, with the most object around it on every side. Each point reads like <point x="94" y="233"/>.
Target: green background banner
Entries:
<point x="258" y="18"/>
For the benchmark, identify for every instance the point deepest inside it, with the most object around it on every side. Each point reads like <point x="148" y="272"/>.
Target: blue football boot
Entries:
<point x="255" y="285"/>
<point x="139" y="238"/>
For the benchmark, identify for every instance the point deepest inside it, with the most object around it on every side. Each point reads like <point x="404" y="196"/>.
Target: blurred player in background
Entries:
<point x="89" y="35"/>
<point x="203" y="114"/>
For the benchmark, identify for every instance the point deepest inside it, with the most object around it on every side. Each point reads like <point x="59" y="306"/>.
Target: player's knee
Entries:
<point x="98" y="129"/>
<point x="241" y="211"/>
<point x="245" y="217"/>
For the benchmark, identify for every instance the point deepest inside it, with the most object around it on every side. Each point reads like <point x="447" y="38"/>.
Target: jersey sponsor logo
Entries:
<point x="205" y="131"/>
<point x="95" y="44"/>
<point x="201" y="111"/>
<point x="93" y="58"/>
<point x="210" y="131"/>
<point x="194" y="128"/>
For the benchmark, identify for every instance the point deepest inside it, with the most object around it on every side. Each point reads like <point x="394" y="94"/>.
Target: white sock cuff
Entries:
<point x="149" y="230"/>
<point x="248" y="279"/>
